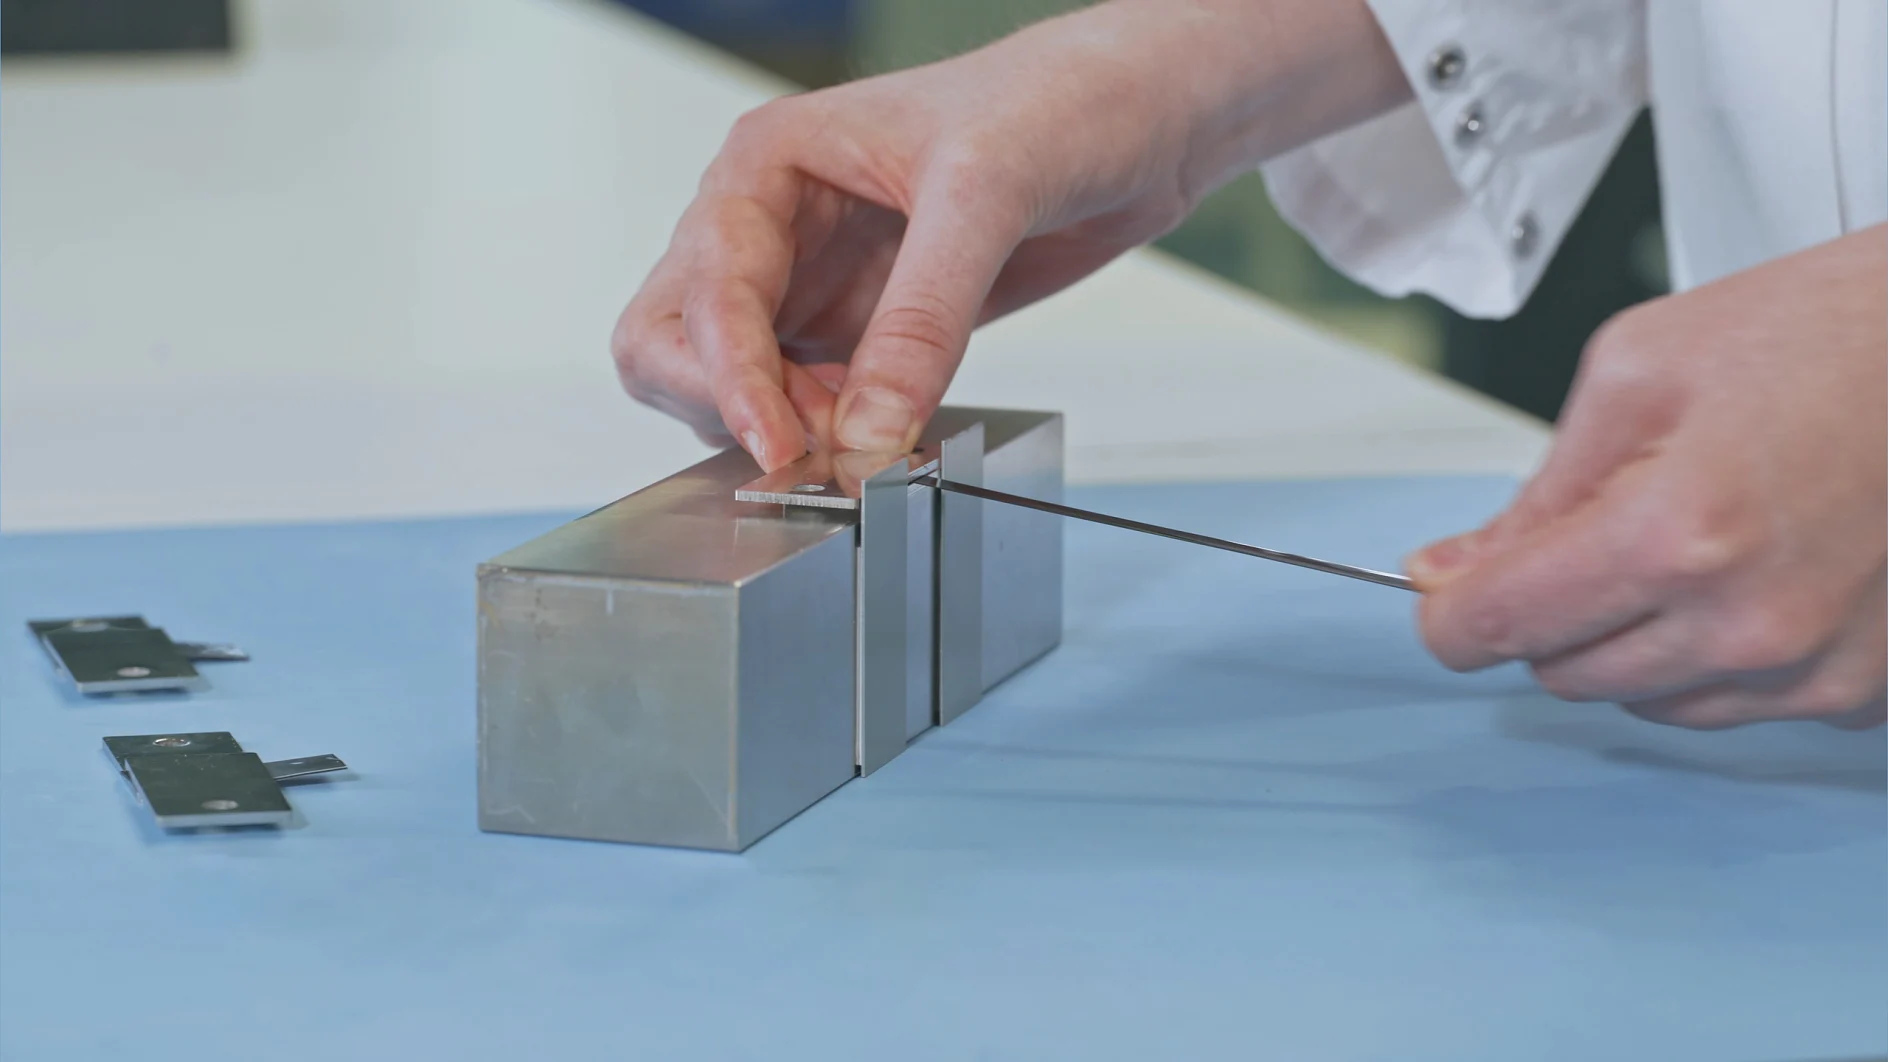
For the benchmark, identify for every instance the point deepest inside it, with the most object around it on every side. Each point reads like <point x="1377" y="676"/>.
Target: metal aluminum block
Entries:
<point x="671" y="669"/>
<point x="685" y="668"/>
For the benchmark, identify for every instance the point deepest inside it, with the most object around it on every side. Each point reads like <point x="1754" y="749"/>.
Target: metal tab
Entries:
<point x="195" y="789"/>
<point x="304" y="767"/>
<point x="811" y="481"/>
<point x="959" y="628"/>
<point x="218" y="651"/>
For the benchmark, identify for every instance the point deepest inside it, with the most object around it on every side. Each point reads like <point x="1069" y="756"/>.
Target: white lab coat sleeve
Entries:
<point x="1465" y="192"/>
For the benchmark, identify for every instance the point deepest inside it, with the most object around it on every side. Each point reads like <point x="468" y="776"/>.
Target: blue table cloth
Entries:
<point x="1239" y="814"/>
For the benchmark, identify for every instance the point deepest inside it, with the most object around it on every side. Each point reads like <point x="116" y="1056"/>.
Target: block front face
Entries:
<point x="795" y="714"/>
<point x="607" y="709"/>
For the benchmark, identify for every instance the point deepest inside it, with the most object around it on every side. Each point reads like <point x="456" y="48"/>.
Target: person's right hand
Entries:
<point x="824" y="283"/>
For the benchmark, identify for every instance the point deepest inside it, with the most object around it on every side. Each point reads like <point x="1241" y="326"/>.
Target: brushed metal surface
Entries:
<point x="675" y="668"/>
<point x="794" y="714"/>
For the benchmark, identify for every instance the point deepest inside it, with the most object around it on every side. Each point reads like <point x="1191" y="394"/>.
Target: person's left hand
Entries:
<point x="1706" y="543"/>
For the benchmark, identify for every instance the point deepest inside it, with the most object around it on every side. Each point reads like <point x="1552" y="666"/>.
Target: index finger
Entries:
<point x="954" y="246"/>
<point x="740" y="261"/>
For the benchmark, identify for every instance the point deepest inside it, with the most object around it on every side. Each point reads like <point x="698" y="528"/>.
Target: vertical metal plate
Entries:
<point x="879" y="626"/>
<point x="920" y="609"/>
<point x="1022" y="548"/>
<point x="959" y="592"/>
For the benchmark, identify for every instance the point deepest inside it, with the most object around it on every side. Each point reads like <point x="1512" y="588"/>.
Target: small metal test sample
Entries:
<point x="207" y="779"/>
<point x="124" y="654"/>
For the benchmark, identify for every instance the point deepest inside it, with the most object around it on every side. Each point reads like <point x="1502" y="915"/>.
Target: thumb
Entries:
<point x="1611" y="420"/>
<point x="911" y="348"/>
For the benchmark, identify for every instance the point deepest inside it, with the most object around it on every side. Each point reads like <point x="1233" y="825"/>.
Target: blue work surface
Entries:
<point x="1239" y="814"/>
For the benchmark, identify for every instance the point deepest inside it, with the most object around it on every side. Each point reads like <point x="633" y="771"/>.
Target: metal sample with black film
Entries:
<point x="196" y="780"/>
<point x="124" y="654"/>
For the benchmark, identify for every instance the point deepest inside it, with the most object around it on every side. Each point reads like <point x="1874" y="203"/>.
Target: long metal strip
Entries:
<point x="1368" y="575"/>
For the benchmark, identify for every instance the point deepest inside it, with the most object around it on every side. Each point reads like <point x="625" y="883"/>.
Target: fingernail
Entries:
<point x="1442" y="560"/>
<point x="751" y="440"/>
<point x="876" y="419"/>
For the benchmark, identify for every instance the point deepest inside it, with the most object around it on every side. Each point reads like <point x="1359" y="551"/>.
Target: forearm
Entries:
<point x="1245" y="80"/>
<point x="1277" y="74"/>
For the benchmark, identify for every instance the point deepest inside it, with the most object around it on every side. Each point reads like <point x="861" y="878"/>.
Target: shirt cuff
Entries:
<point x="1465" y="192"/>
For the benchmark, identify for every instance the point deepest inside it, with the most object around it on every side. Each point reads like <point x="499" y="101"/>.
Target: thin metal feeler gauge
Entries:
<point x="1400" y="582"/>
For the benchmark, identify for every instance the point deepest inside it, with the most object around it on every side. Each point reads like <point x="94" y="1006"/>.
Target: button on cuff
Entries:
<point x="1445" y="66"/>
<point x="1469" y="125"/>
<point x="1524" y="235"/>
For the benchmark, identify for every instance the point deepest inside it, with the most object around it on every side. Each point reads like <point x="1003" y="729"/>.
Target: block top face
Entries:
<point x="687" y="528"/>
<point x="690" y="528"/>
